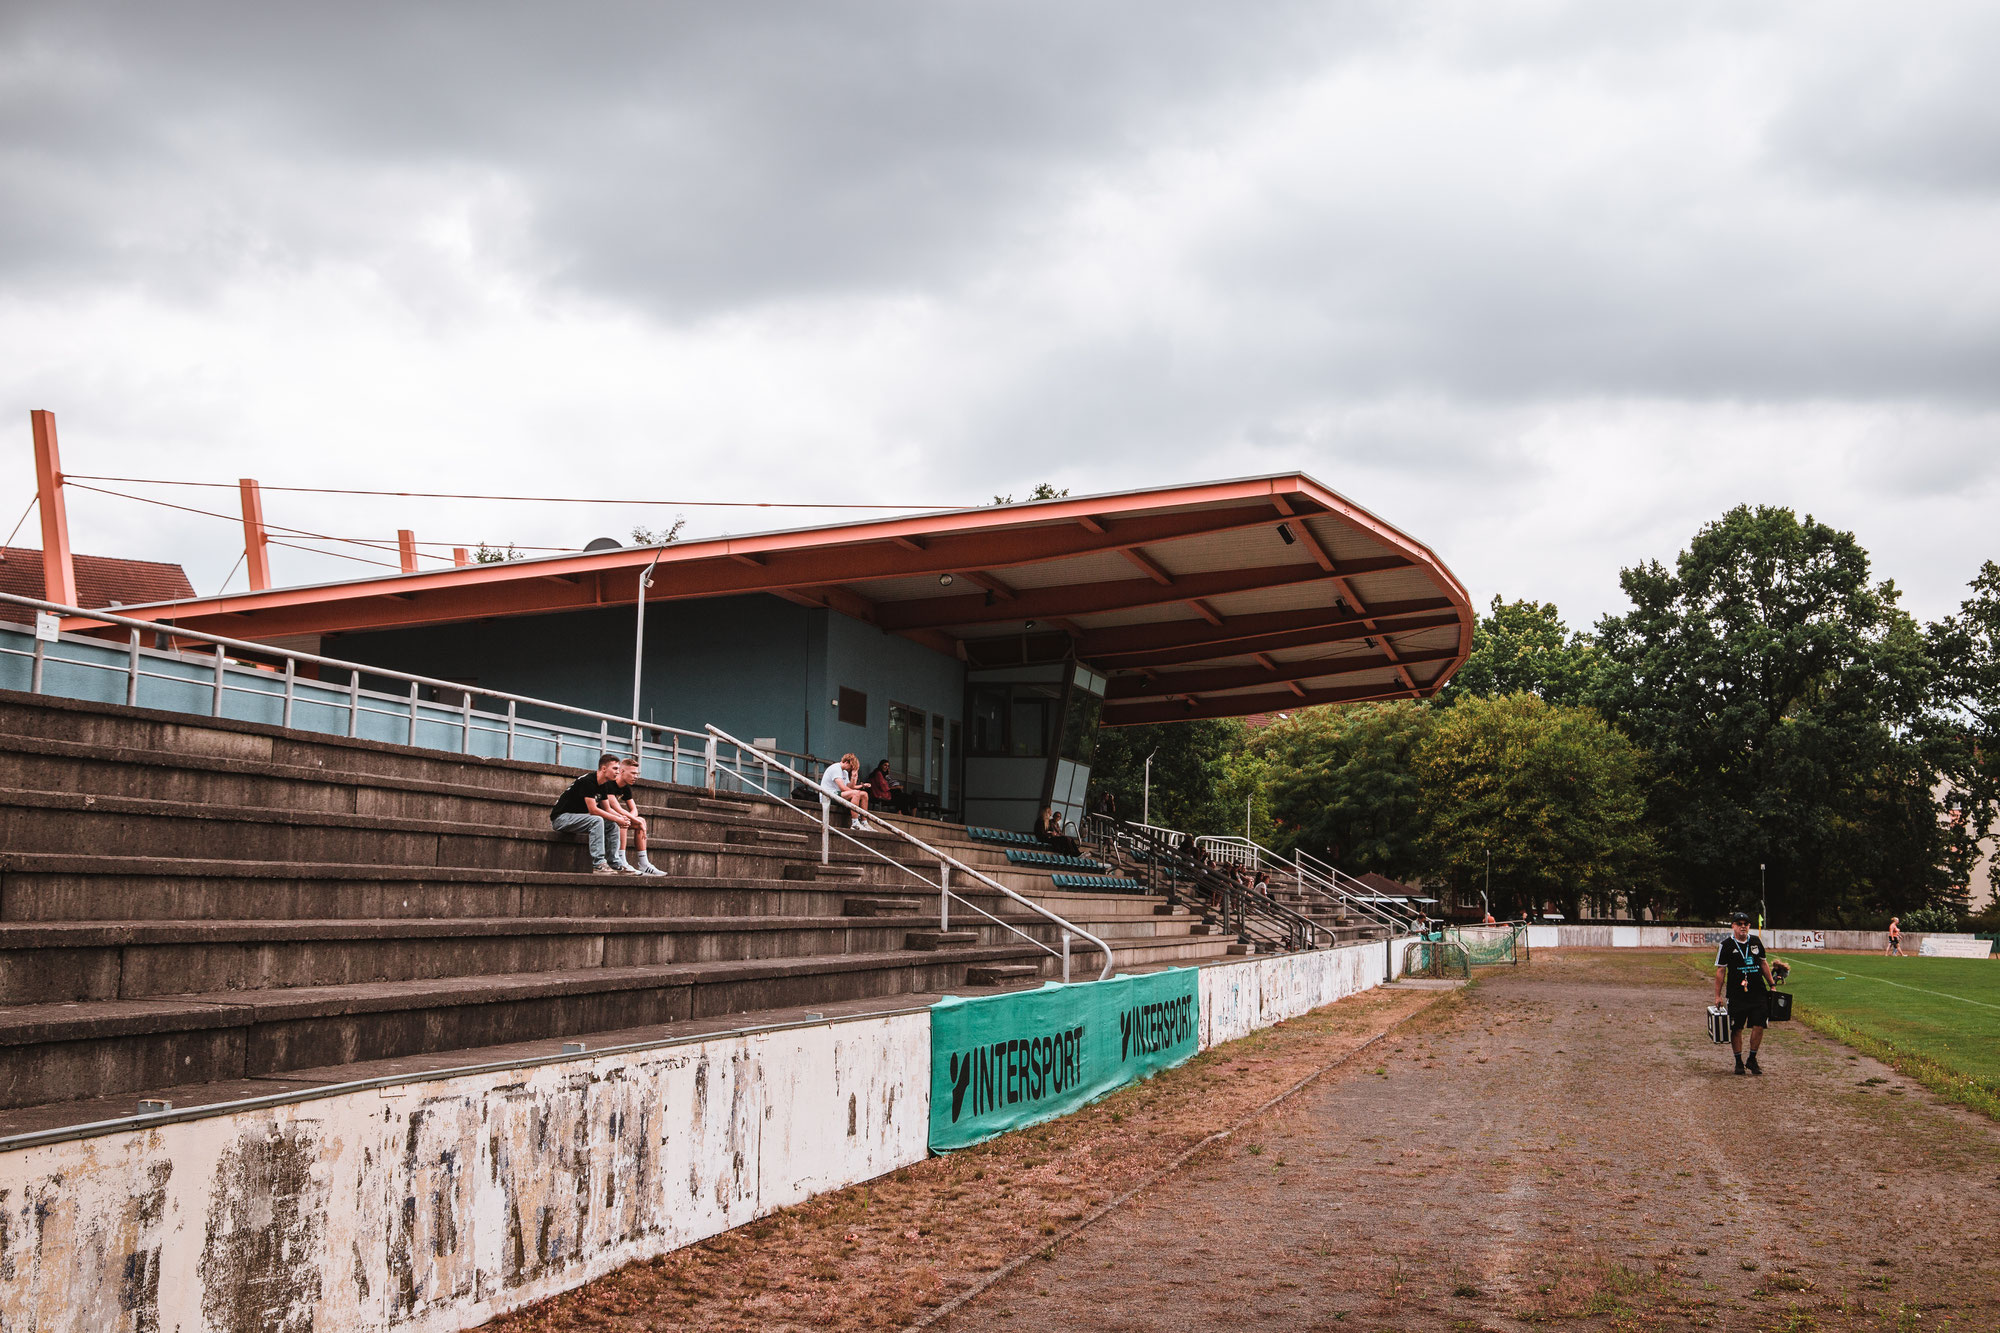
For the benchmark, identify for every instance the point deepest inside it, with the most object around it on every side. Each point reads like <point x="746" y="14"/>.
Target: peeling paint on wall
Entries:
<point x="433" y="1206"/>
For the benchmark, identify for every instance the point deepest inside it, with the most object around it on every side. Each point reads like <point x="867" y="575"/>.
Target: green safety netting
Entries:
<point x="1435" y="958"/>
<point x="1487" y="945"/>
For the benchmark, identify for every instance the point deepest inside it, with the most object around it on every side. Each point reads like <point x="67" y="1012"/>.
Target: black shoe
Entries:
<point x="1752" y="1063"/>
<point x="1740" y="1069"/>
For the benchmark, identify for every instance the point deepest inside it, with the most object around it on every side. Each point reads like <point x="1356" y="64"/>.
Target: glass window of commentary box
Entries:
<point x="1014" y="721"/>
<point x="907" y="727"/>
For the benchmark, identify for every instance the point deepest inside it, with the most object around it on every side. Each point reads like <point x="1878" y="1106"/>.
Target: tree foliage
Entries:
<point x="1965" y="722"/>
<point x="1525" y="647"/>
<point x="1780" y="693"/>
<point x="1552" y="794"/>
<point x="1341" y="784"/>
<point x="1188" y="767"/>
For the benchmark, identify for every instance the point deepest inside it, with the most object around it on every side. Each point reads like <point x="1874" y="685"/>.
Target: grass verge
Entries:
<point x="1931" y="1020"/>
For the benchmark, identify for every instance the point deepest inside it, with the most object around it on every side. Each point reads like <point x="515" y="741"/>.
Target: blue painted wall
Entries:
<point x="755" y="666"/>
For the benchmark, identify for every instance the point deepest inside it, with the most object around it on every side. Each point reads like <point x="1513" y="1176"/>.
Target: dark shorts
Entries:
<point x="1747" y="1011"/>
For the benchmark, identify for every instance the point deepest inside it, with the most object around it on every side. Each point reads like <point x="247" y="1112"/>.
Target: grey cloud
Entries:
<point x="684" y="157"/>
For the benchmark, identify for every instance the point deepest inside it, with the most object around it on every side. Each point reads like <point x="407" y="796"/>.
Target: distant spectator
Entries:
<point x="579" y="810"/>
<point x="1489" y="918"/>
<point x="1261" y="881"/>
<point x="1895" y="938"/>
<point x="622" y="809"/>
<point x="1107" y="803"/>
<point x="844" y="780"/>
<point x="1050" y="829"/>
<point x="884" y="792"/>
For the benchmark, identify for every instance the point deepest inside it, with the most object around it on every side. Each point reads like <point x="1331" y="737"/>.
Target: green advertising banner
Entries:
<point x="1003" y="1061"/>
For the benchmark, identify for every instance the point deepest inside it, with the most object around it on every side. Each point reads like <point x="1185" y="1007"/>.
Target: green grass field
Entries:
<point x="1937" y="1019"/>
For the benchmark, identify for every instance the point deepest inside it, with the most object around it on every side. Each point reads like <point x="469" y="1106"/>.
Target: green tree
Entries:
<point x="1043" y="491"/>
<point x="1780" y="693"/>
<point x="1340" y="784"/>
<point x="1553" y="794"/>
<point x="645" y="536"/>
<point x="1519" y="646"/>
<point x="1966" y="723"/>
<point x="1188" y="768"/>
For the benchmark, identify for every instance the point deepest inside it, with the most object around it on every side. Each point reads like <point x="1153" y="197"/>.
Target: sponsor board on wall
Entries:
<point x="1954" y="946"/>
<point x="1003" y="1061"/>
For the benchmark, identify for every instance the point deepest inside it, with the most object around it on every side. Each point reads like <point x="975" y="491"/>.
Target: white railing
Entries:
<point x="1313" y="877"/>
<point x="946" y="864"/>
<point x="222" y="685"/>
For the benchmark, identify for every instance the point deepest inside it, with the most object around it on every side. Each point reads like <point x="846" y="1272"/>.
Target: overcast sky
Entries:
<point x="1548" y="285"/>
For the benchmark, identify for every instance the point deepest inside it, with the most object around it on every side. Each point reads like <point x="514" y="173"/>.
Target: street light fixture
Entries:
<point x="639" y="645"/>
<point x="1146" y="792"/>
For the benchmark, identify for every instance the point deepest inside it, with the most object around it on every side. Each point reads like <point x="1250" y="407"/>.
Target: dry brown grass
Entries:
<point x="876" y="1256"/>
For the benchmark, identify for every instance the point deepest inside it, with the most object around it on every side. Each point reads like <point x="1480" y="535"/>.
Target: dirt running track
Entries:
<point x="1566" y="1146"/>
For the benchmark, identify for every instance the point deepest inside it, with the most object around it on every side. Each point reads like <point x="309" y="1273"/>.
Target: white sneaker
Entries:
<point x="648" y="868"/>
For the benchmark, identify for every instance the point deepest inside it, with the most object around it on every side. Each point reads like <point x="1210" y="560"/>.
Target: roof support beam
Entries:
<point x="1207" y="680"/>
<point x="1192" y="641"/>
<point x="1147" y="567"/>
<point x="1242" y="705"/>
<point x="1205" y="611"/>
<point x="1086" y="598"/>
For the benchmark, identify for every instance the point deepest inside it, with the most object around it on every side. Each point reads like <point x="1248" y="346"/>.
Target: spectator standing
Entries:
<point x="1743" y="975"/>
<point x="580" y="810"/>
<point x="622" y="808"/>
<point x="1895" y="948"/>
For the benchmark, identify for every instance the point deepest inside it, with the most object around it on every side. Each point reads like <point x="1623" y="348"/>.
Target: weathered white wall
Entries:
<point x="1239" y="998"/>
<point x="436" y="1205"/>
<point x="1705" y="937"/>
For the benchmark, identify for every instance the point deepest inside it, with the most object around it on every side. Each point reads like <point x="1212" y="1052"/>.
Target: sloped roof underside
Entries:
<point x="1214" y="600"/>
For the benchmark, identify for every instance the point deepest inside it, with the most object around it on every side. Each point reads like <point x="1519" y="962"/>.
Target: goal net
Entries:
<point x="1486" y="945"/>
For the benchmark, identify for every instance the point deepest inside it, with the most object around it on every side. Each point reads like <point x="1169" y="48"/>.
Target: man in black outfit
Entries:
<point x="1743" y="975"/>
<point x="579" y="810"/>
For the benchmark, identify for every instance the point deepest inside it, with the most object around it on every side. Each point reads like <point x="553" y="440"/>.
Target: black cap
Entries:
<point x="1740" y="916"/>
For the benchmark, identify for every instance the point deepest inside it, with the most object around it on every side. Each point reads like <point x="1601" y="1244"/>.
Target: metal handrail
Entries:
<point x="1313" y="876"/>
<point x="946" y="864"/>
<point x="1251" y="913"/>
<point x="667" y="738"/>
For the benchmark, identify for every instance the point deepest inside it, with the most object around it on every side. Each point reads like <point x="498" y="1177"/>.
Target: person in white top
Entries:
<point x="844" y="780"/>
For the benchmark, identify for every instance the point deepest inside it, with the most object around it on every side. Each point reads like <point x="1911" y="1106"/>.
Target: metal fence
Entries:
<point x="184" y="671"/>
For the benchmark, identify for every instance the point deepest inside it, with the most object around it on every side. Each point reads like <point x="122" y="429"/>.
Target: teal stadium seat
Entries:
<point x="1055" y="861"/>
<point x="1114" y="883"/>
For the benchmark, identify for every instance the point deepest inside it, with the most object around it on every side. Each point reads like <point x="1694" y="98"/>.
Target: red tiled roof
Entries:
<point x="100" y="580"/>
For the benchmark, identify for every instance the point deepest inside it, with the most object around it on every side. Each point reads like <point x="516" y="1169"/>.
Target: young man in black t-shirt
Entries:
<point x="1743" y="979"/>
<point x="579" y="810"/>
<point x="623" y="810"/>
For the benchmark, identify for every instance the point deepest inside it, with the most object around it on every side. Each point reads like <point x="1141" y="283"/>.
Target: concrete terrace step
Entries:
<point x="68" y="962"/>
<point x="50" y="886"/>
<point x="59" y="1052"/>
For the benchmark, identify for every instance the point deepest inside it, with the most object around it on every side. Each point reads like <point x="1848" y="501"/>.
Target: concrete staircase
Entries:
<point x="184" y="901"/>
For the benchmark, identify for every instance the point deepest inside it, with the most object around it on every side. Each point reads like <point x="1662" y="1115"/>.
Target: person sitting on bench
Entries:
<point x="884" y="792"/>
<point x="1049" y="828"/>
<point x="579" y="810"/>
<point x="844" y="780"/>
<point x="622" y="808"/>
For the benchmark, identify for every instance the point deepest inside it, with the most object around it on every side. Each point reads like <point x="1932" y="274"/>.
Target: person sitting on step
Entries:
<point x="622" y="808"/>
<point x="580" y="810"/>
<point x="885" y="793"/>
<point x="844" y="780"/>
<point x="1049" y="828"/>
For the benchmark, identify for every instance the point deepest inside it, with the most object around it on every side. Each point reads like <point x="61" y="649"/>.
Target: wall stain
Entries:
<point x="139" y="1291"/>
<point x="260" y="1269"/>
